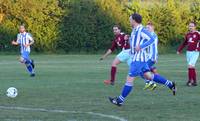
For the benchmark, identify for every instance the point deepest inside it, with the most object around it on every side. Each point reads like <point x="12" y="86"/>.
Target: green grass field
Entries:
<point x="70" y="88"/>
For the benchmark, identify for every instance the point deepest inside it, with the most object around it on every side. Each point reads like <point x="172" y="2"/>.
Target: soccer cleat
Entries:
<point x="147" y="85"/>
<point x="32" y="75"/>
<point x="32" y="64"/>
<point x="115" y="101"/>
<point x="194" y="84"/>
<point x="153" y="87"/>
<point x="108" y="82"/>
<point x="173" y="88"/>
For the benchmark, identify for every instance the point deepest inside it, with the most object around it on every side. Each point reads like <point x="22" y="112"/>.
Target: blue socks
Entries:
<point x="29" y="66"/>
<point x="126" y="90"/>
<point x="161" y="80"/>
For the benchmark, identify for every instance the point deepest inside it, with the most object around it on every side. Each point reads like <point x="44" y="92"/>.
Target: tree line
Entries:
<point x="86" y="25"/>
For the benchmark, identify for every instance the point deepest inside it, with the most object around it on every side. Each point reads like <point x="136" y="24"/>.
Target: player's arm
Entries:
<point x="14" y="42"/>
<point x="155" y="50"/>
<point x="149" y="39"/>
<point x="180" y="48"/>
<point x="198" y="44"/>
<point x="109" y="51"/>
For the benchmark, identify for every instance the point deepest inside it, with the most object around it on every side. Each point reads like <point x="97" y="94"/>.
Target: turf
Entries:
<point x="74" y="83"/>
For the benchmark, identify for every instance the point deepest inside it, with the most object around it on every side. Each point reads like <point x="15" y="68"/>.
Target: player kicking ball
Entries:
<point x="25" y="40"/>
<point x="120" y="41"/>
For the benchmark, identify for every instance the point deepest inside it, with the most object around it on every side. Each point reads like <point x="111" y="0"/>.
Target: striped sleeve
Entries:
<point x="155" y="49"/>
<point x="149" y="39"/>
<point x="30" y="37"/>
<point x="18" y="38"/>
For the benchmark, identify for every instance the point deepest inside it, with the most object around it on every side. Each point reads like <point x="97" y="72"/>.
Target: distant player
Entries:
<point x="192" y="41"/>
<point x="121" y="41"/>
<point x="140" y="40"/>
<point x="25" y="40"/>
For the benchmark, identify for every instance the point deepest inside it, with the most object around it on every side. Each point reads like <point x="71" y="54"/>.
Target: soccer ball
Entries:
<point x="12" y="92"/>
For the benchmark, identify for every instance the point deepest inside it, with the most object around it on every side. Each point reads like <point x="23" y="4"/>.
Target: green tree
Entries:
<point x="41" y="18"/>
<point x="195" y="10"/>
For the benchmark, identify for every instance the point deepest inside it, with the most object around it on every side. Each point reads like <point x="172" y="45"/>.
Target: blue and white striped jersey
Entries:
<point x="143" y="38"/>
<point x="23" y="39"/>
<point x="153" y="49"/>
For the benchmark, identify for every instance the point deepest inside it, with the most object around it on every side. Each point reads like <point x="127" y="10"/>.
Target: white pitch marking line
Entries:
<point x="62" y="111"/>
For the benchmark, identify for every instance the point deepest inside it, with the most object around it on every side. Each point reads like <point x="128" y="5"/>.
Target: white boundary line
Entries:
<point x="62" y="111"/>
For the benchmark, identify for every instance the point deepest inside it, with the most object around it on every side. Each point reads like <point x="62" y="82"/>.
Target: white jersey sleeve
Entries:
<point x="18" y="38"/>
<point x="30" y="38"/>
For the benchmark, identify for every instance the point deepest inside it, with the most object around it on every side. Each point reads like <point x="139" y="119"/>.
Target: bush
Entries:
<point x="41" y="18"/>
<point x="86" y="25"/>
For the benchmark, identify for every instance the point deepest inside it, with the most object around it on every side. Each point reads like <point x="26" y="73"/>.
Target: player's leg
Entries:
<point x="25" y="59"/>
<point x="124" y="93"/>
<point x="32" y="63"/>
<point x="128" y="87"/>
<point x="154" y="70"/>
<point x="149" y="84"/>
<point x="113" y="72"/>
<point x="161" y="80"/>
<point x="121" y="57"/>
<point x="191" y="64"/>
<point x="190" y="68"/>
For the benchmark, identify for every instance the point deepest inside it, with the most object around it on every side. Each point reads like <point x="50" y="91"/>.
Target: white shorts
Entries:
<point x="192" y="57"/>
<point x="124" y="55"/>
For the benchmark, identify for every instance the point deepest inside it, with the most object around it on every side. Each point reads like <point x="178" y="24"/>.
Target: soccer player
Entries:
<point x="152" y="51"/>
<point x="139" y="41"/>
<point x="152" y="55"/>
<point x="121" y="41"/>
<point x="25" y="40"/>
<point x="192" y="41"/>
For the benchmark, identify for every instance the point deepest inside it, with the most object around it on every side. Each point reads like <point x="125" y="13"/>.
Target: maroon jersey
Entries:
<point x="120" y="42"/>
<point x="192" y="41"/>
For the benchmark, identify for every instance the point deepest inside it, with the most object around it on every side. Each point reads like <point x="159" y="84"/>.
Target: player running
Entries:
<point x="121" y="41"/>
<point x="140" y="40"/>
<point x="152" y="56"/>
<point x="192" y="41"/>
<point x="25" y="40"/>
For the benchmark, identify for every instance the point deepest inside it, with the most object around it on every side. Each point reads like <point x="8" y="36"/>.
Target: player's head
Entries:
<point x="192" y="26"/>
<point x="22" y="28"/>
<point x="150" y="26"/>
<point x="135" y="19"/>
<point x="126" y="37"/>
<point x="116" y="29"/>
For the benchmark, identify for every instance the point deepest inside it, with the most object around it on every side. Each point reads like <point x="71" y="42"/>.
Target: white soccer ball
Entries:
<point x="12" y="92"/>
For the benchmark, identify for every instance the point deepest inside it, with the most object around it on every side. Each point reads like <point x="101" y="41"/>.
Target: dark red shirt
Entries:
<point x="192" y="41"/>
<point x="120" y="42"/>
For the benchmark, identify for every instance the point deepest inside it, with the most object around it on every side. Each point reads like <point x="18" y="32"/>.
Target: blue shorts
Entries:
<point x="150" y="64"/>
<point x="124" y="55"/>
<point x="137" y="68"/>
<point x="192" y="57"/>
<point x="25" y="55"/>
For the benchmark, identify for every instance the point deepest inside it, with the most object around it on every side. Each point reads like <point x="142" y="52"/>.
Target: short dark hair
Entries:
<point x="117" y="26"/>
<point x="137" y="17"/>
